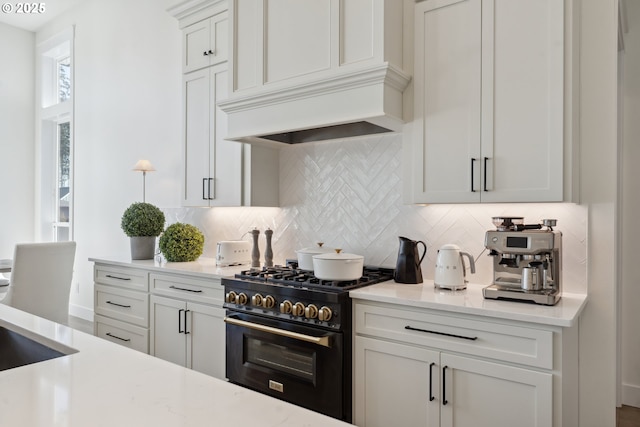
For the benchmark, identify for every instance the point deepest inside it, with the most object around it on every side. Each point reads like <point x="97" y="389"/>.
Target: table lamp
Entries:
<point x="143" y="166"/>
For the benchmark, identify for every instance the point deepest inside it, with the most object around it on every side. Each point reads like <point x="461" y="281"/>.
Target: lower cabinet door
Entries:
<point x="168" y="340"/>
<point x="476" y="393"/>
<point x="395" y="384"/>
<point x="206" y="339"/>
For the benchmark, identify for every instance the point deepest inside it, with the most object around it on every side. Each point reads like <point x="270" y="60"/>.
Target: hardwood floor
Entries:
<point x="628" y="416"/>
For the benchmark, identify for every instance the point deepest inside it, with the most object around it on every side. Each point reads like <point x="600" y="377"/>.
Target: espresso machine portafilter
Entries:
<point x="527" y="261"/>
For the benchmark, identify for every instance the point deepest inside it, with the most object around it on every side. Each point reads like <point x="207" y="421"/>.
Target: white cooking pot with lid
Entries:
<point x="338" y="266"/>
<point x="305" y="260"/>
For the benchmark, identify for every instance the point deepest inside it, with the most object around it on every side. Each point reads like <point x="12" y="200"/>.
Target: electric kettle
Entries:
<point x="450" y="269"/>
<point x="408" y="265"/>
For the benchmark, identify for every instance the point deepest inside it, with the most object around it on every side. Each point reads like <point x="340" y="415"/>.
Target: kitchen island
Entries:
<point x="103" y="384"/>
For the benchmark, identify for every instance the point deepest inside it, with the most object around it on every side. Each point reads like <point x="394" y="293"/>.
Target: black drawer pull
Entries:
<point x="441" y="333"/>
<point x="119" y="305"/>
<point x="185" y="289"/>
<point x="109" y="334"/>
<point x="116" y="277"/>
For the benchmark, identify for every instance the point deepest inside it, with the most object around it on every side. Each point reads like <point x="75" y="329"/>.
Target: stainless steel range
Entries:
<point x="288" y="335"/>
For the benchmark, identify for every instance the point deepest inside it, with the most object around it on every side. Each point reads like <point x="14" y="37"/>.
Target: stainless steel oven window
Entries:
<point x="295" y="362"/>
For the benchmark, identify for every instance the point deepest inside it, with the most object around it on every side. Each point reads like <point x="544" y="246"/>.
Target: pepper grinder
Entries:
<point x="268" y="252"/>
<point x="255" y="251"/>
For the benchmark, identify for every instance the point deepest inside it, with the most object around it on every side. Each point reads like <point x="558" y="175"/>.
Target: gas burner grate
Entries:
<point x="290" y="275"/>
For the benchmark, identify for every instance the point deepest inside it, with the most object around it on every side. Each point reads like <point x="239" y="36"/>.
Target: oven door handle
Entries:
<point x="323" y="341"/>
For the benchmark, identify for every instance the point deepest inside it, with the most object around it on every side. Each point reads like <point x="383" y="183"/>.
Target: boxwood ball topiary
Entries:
<point x="142" y="219"/>
<point x="181" y="242"/>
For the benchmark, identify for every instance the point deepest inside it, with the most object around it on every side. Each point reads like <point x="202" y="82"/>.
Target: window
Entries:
<point x="55" y="135"/>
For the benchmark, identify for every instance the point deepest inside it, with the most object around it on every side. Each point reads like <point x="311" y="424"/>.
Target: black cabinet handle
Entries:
<point x="197" y="291"/>
<point x="118" y="278"/>
<point x="119" y="305"/>
<point x="472" y="170"/>
<point x="441" y="333"/>
<point x="431" y="397"/>
<point x="204" y="197"/>
<point x="109" y="334"/>
<point x="209" y="189"/>
<point x="485" y="173"/>
<point x="180" y="321"/>
<point x="186" y="332"/>
<point x="444" y="385"/>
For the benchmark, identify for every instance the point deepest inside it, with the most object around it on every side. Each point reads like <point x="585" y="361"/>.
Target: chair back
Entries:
<point x="41" y="279"/>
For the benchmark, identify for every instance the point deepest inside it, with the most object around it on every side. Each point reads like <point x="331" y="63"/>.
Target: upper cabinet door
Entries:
<point x="205" y="43"/>
<point x="522" y="97"/>
<point x="489" y="112"/>
<point x="447" y="78"/>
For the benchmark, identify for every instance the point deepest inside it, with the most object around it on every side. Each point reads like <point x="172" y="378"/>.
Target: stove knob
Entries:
<point x="324" y="314"/>
<point x="268" y="302"/>
<point x="241" y="299"/>
<point x="311" y="312"/>
<point x="298" y="309"/>
<point x="230" y="297"/>
<point x="286" y="307"/>
<point x="256" y="300"/>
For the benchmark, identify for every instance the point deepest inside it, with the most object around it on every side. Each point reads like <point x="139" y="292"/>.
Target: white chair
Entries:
<point x="41" y="279"/>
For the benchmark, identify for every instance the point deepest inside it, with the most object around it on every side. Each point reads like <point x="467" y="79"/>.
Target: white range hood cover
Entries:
<point x="361" y="102"/>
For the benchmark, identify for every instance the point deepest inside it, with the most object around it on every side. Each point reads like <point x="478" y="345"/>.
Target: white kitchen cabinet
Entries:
<point x="205" y="43"/>
<point x="217" y="172"/>
<point x="121" y="305"/>
<point x="416" y="367"/>
<point x="489" y="101"/>
<point x="184" y="330"/>
<point x="414" y="386"/>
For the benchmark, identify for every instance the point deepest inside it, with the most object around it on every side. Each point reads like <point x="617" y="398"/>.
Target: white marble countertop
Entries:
<point x="470" y="301"/>
<point x="202" y="267"/>
<point x="105" y="384"/>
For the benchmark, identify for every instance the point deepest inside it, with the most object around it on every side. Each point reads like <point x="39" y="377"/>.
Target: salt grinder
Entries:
<point x="268" y="252"/>
<point x="255" y="251"/>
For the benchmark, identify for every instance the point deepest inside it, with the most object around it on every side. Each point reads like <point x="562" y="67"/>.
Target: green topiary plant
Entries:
<point x="181" y="242"/>
<point x="142" y="219"/>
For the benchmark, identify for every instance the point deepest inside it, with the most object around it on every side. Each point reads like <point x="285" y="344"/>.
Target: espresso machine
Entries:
<point x="527" y="261"/>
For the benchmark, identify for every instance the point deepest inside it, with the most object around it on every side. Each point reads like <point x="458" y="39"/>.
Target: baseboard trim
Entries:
<point x="81" y="312"/>
<point x="631" y="395"/>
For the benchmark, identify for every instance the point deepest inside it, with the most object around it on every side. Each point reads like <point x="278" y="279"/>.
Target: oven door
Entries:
<point x="295" y="363"/>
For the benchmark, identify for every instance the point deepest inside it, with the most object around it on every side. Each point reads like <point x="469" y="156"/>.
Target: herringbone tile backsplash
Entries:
<point x="348" y="194"/>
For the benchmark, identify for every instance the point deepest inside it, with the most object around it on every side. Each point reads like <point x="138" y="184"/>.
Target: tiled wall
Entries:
<point x="348" y="194"/>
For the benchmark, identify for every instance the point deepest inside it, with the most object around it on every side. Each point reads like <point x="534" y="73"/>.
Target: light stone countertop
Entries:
<point x="105" y="384"/>
<point x="202" y="267"/>
<point x="470" y="301"/>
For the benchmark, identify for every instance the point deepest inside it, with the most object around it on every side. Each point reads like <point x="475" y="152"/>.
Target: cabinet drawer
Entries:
<point x="125" y="334"/>
<point x="129" y="278"/>
<point x="208" y="291"/>
<point x="122" y="304"/>
<point x="517" y="344"/>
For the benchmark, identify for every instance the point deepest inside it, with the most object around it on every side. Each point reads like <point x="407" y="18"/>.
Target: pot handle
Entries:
<point x="423" y="253"/>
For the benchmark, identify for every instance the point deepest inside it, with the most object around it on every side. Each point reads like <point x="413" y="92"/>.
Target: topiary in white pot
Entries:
<point x="142" y="222"/>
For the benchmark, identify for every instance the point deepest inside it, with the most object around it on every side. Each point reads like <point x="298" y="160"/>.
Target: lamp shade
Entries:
<point x="144" y="166"/>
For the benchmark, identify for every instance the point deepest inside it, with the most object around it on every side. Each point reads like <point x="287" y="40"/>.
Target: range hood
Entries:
<point x="323" y="81"/>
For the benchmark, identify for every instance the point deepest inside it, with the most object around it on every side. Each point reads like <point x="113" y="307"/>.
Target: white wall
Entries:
<point x="630" y="339"/>
<point x="16" y="138"/>
<point x="127" y="107"/>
